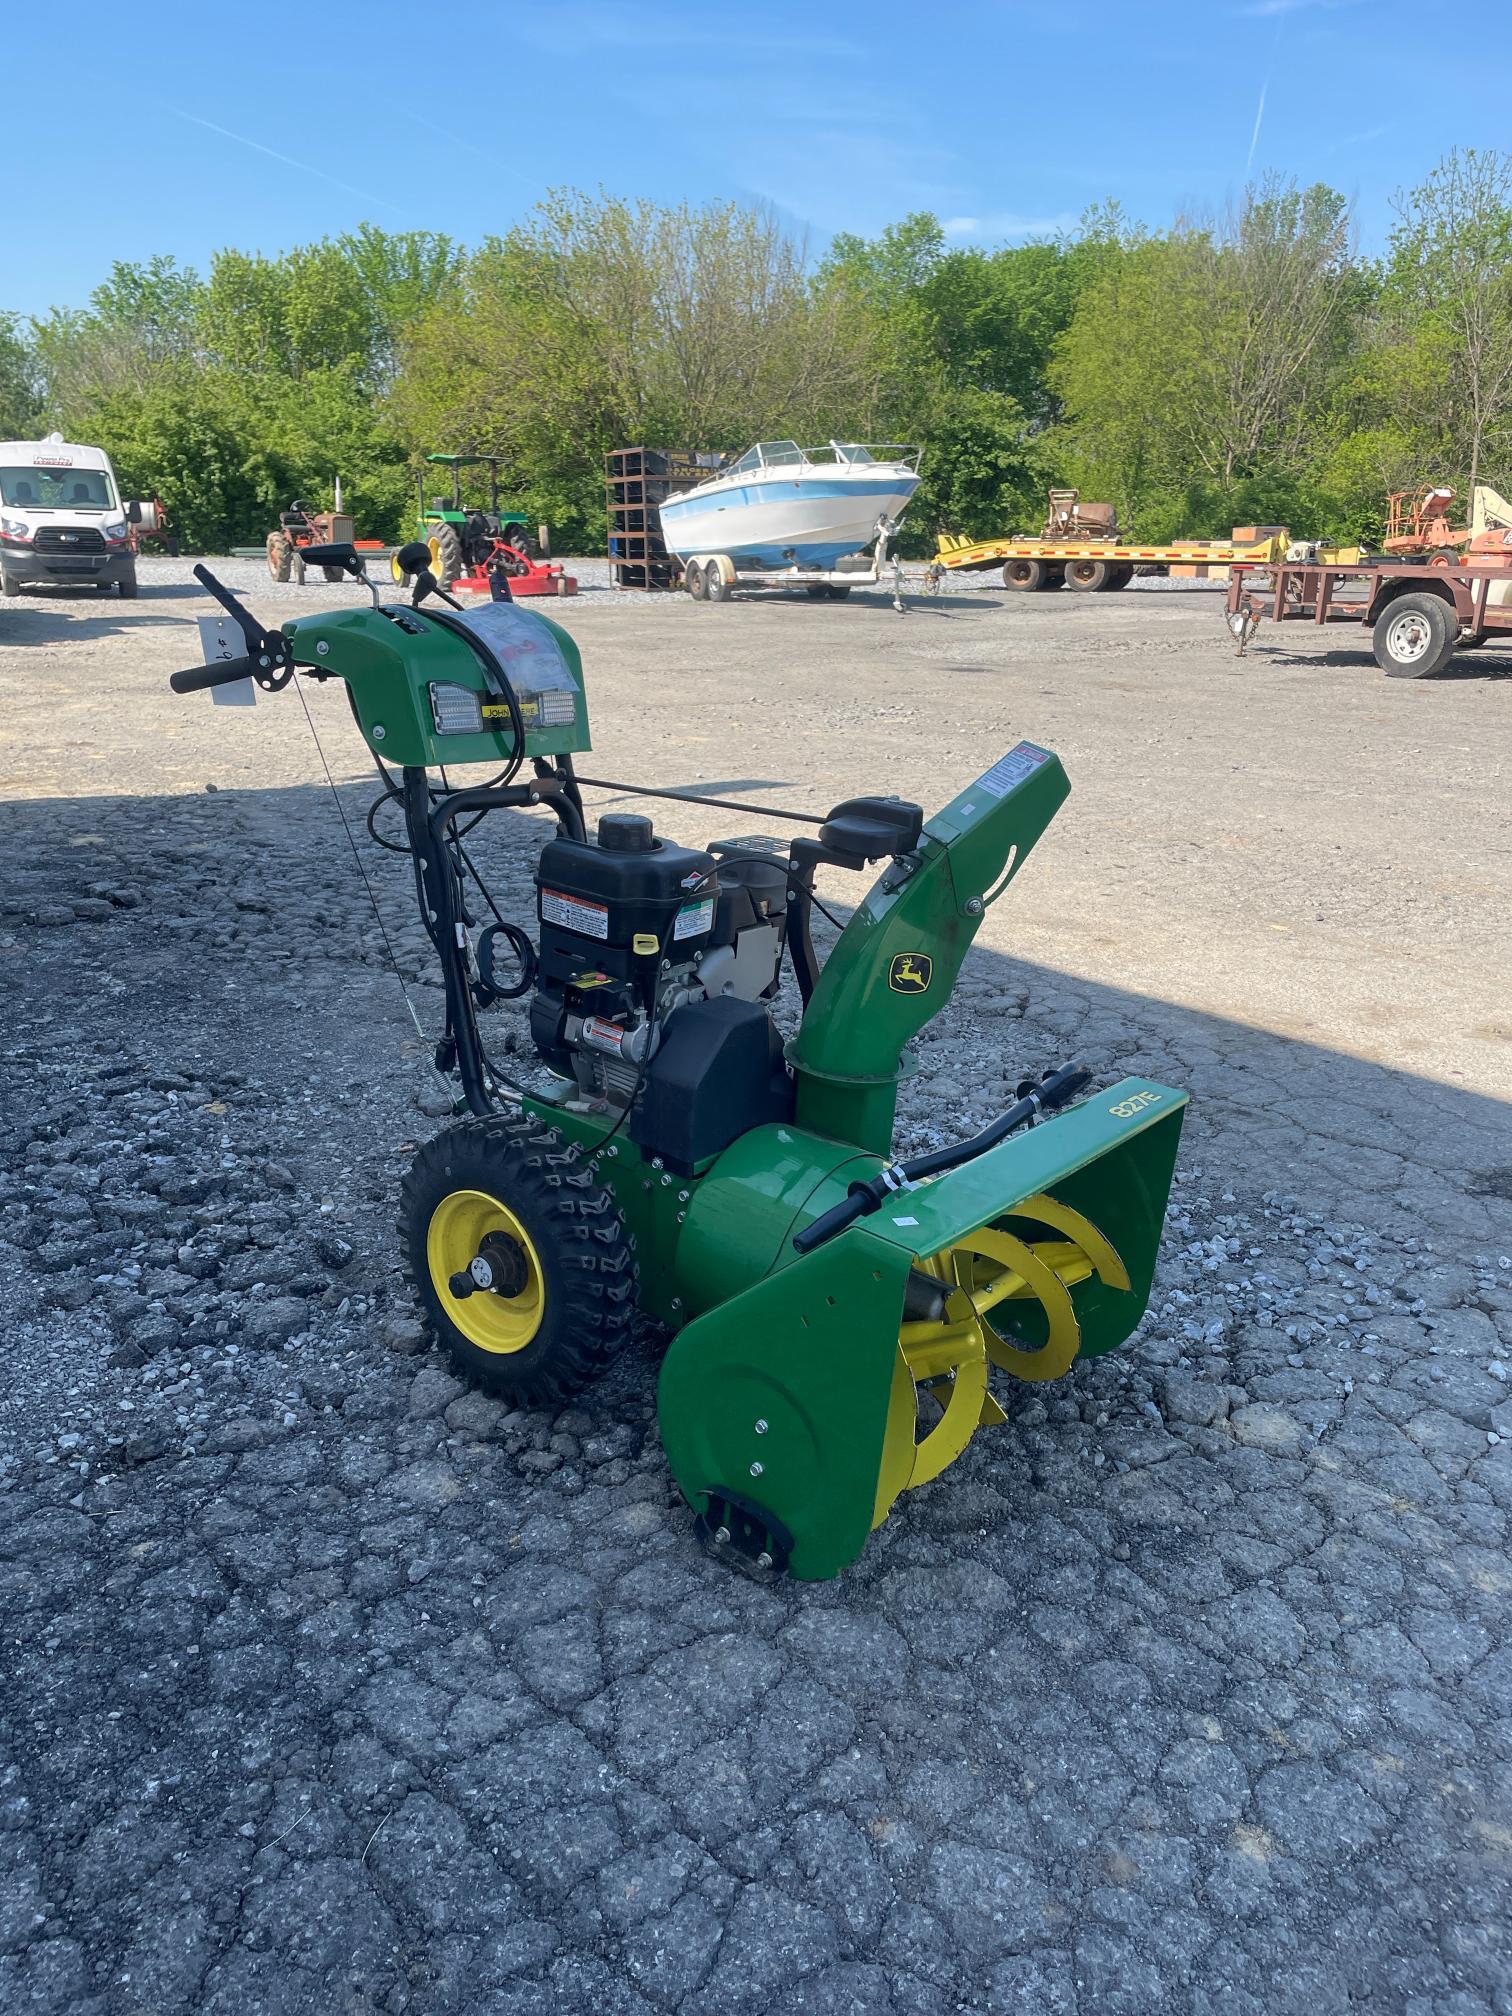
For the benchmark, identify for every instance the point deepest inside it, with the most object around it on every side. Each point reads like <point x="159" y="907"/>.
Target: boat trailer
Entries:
<point x="716" y="577"/>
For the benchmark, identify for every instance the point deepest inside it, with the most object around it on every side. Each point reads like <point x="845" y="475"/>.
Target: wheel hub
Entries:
<point x="486" y="1270"/>
<point x="1409" y="637"/>
<point x="500" y="1265"/>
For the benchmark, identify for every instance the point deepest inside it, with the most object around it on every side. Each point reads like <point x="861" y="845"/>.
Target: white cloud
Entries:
<point x="1266" y="9"/>
<point x="1007" y="224"/>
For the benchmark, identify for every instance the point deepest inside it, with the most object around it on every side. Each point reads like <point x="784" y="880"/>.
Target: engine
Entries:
<point x="656" y="964"/>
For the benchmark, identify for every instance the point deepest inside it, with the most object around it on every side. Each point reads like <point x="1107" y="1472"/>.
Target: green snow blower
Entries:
<point x="834" y="1313"/>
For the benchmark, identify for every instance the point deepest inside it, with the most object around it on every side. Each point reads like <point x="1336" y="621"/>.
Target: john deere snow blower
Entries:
<point x="834" y="1313"/>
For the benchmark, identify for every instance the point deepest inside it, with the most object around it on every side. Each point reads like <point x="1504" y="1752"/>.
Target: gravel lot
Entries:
<point x="331" y="1686"/>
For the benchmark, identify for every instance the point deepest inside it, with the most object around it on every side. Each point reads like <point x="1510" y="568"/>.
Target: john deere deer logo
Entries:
<point x="910" y="972"/>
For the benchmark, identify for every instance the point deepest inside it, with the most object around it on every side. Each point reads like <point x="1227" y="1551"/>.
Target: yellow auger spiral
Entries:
<point x="948" y="1358"/>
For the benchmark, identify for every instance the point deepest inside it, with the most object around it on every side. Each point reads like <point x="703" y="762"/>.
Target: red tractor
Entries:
<point x="299" y="527"/>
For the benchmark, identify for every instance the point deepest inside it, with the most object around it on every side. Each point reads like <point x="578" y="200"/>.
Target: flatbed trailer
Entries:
<point x="1418" y="616"/>
<point x="1091" y="565"/>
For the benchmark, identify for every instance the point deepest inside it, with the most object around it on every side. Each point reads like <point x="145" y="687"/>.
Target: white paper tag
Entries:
<point x="221" y="639"/>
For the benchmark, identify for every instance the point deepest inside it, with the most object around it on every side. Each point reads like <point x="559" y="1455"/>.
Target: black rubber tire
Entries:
<point x="696" y="581"/>
<point x="1415" y="636"/>
<point x="127" y="587"/>
<point x="715" y="585"/>
<point x="279" y="551"/>
<point x="334" y="573"/>
<point x="448" y="540"/>
<point x="1090" y="576"/>
<point x="816" y="591"/>
<point x="836" y="591"/>
<point x="587" y="1256"/>
<point x="1024" y="574"/>
<point x="1122" y="576"/>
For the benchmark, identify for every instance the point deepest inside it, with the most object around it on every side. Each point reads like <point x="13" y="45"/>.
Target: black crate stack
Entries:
<point x="637" y="480"/>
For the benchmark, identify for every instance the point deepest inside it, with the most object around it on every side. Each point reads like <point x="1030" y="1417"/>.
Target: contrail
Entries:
<point x="1255" y="136"/>
<point x="273" y="155"/>
<point x="452" y="139"/>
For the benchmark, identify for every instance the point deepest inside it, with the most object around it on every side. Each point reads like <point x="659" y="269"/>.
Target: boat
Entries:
<point x="781" y="506"/>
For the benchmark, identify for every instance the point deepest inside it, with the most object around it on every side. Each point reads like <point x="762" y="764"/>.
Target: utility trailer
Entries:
<point x="1418" y="616"/>
<point x="716" y="577"/>
<point x="1091" y="565"/>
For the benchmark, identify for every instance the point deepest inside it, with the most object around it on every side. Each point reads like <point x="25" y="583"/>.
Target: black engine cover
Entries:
<point x="718" y="1073"/>
<point x="593" y="902"/>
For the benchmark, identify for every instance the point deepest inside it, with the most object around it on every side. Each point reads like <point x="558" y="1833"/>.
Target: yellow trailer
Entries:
<point x="1090" y="564"/>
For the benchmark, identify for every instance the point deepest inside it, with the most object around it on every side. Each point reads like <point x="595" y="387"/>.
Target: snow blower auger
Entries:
<point x="835" y="1314"/>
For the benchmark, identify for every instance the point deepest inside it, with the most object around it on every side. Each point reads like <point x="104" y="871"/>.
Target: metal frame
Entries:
<point x="435" y="854"/>
<point x="1309" y="590"/>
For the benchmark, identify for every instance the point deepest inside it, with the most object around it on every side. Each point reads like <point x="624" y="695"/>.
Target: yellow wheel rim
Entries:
<point x="435" y="559"/>
<point x="460" y="1223"/>
<point x="395" y="569"/>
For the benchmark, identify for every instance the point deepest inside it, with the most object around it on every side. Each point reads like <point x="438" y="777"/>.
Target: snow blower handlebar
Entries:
<point x="268" y="659"/>
<point x="1055" y="1090"/>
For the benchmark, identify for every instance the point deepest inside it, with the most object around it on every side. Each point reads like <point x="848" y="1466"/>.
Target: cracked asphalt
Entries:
<point x="327" y="1684"/>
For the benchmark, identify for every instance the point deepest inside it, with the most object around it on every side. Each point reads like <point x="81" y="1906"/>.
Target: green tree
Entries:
<point x="599" y="323"/>
<point x="1451" y="271"/>
<point x="178" y="438"/>
<point x="139" y="320"/>
<point x="1197" y="368"/>
<point x="19" y="405"/>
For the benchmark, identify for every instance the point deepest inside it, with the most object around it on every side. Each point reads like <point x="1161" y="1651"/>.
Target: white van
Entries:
<point x="62" y="521"/>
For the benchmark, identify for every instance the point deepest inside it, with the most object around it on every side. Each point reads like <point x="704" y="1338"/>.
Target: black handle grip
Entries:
<point x="851" y="1207"/>
<point x="1055" y="1089"/>
<point x="221" y="673"/>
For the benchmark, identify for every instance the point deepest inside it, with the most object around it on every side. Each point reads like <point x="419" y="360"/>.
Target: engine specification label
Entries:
<point x="694" y="919"/>
<point x="574" y="913"/>
<point x="1012" y="769"/>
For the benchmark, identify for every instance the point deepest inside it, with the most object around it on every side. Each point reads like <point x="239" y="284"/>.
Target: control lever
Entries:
<point x="272" y="661"/>
<point x="414" y="559"/>
<point x="347" y="558"/>
<point x="859" y="830"/>
<point x="1056" y="1089"/>
<point x="343" y="555"/>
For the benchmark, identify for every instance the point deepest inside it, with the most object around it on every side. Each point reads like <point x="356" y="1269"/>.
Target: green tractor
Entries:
<point x="834" y="1313"/>
<point x="464" y="537"/>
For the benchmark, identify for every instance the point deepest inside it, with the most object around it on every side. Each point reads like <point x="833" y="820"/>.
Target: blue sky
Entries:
<point x="134" y="130"/>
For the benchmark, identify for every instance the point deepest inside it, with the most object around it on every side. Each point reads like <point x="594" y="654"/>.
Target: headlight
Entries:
<point x="116" y="533"/>
<point x="15" y="528"/>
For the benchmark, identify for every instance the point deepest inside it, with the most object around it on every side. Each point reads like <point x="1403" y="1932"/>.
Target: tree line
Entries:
<point x="1244" y="367"/>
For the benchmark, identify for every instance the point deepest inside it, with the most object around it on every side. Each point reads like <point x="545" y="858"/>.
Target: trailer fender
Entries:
<point x="1394" y="586"/>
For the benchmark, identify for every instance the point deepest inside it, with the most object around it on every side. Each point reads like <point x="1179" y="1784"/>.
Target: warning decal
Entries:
<point x="694" y="919"/>
<point x="1012" y="769"/>
<point x="573" y="913"/>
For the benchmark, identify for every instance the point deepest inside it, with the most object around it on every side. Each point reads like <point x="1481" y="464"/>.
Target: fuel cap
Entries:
<point x="626" y="833"/>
